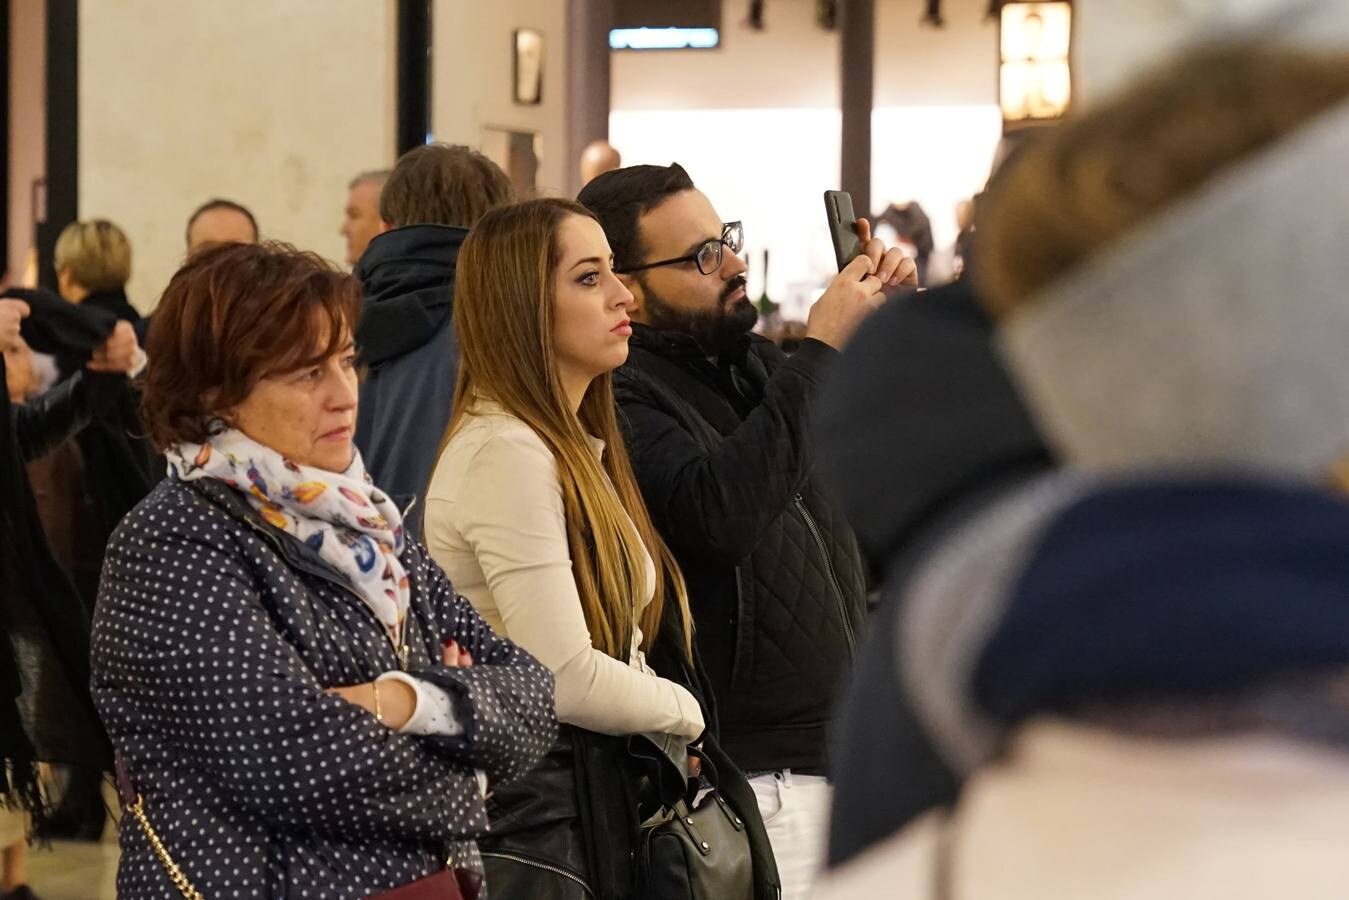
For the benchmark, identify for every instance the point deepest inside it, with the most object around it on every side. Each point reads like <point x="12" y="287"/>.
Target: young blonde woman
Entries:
<point x="534" y="512"/>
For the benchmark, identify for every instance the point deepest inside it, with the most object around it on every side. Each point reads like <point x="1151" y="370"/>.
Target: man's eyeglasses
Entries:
<point x="707" y="256"/>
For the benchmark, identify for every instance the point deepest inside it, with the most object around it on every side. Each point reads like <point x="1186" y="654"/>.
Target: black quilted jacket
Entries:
<point x="775" y="580"/>
<point x="215" y="638"/>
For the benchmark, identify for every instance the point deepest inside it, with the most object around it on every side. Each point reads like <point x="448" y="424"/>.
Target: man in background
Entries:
<point x="219" y="221"/>
<point x="360" y="219"/>
<point x="433" y="196"/>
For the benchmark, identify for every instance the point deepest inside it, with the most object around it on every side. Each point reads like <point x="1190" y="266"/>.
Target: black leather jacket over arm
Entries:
<point x="49" y="420"/>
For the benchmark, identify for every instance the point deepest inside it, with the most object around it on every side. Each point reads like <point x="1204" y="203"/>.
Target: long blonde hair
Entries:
<point x="504" y="316"/>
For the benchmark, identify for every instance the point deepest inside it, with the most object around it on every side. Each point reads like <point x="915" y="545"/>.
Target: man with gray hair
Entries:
<point x="360" y="219"/>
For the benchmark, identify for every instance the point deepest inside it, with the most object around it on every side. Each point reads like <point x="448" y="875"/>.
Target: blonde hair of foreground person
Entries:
<point x="96" y="253"/>
<point x="1081" y="187"/>
<point x="504" y="314"/>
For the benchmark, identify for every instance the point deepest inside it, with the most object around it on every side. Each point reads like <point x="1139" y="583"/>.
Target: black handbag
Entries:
<point x="690" y="847"/>
<point x="536" y="847"/>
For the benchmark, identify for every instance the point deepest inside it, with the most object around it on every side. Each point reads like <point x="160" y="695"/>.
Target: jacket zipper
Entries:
<point x="829" y="565"/>
<point x="400" y="652"/>
<point x="526" y="861"/>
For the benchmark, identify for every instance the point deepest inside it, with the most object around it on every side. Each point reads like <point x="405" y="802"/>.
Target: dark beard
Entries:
<point x="715" y="331"/>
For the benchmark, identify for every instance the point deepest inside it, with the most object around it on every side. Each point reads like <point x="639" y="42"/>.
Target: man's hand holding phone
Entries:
<point x="893" y="267"/>
<point x="858" y="290"/>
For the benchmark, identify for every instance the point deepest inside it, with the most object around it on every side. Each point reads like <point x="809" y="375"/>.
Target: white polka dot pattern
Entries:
<point x="214" y="640"/>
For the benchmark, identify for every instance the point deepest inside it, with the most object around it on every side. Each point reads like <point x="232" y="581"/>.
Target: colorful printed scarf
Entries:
<point x="352" y="525"/>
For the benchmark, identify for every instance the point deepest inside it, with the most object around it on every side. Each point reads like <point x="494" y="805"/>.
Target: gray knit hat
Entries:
<point x="1216" y="337"/>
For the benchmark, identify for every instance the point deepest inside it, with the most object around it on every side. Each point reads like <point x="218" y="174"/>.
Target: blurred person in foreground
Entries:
<point x="45" y="710"/>
<point x="918" y="429"/>
<point x="360" y="217"/>
<point x="292" y="688"/>
<point x="406" y="341"/>
<point x="715" y="419"/>
<point x="1140" y="665"/>
<point x="220" y="221"/>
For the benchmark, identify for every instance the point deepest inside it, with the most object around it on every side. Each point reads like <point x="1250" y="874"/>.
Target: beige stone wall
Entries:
<point x="27" y="125"/>
<point x="472" y="85"/>
<point x="272" y="103"/>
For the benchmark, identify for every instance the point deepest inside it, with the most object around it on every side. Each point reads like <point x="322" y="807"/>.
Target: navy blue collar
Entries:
<point x="1169" y="589"/>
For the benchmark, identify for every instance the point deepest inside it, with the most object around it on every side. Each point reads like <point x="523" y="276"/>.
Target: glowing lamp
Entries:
<point x="1034" y="80"/>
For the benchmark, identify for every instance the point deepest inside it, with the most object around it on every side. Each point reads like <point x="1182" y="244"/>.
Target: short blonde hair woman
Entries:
<point x="93" y="265"/>
<point x="92" y="257"/>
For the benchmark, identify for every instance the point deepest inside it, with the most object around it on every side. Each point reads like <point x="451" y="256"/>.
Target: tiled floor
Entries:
<point x="77" y="870"/>
<point x="74" y="871"/>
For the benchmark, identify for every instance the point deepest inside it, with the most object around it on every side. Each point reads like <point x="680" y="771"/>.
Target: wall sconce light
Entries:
<point x="527" y="54"/>
<point x="1034" y="80"/>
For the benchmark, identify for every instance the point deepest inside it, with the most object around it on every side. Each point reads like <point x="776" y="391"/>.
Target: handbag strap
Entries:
<point x="175" y="872"/>
<point x="126" y="791"/>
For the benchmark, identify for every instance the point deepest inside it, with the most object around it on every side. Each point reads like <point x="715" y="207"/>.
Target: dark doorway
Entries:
<point x="63" y="133"/>
<point x="413" y="126"/>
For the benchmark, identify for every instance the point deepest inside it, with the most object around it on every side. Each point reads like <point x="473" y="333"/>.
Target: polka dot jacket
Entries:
<point x="215" y="637"/>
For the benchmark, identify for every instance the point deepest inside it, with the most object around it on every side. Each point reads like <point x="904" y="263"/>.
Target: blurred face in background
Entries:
<point x="220" y="226"/>
<point x="360" y="220"/>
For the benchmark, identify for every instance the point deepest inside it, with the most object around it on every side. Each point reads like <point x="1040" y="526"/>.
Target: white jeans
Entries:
<point x="795" y="810"/>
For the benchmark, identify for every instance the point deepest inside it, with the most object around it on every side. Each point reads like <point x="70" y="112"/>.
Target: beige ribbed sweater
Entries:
<point x="495" y="524"/>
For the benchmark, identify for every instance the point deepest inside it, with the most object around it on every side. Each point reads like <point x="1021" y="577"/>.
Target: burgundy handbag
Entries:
<point x="447" y="884"/>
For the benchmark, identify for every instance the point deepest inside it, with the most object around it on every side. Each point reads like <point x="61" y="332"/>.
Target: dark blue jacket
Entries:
<point x="408" y="345"/>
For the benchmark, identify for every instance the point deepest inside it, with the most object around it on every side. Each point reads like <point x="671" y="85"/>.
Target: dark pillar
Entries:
<point x="414" y="75"/>
<point x="63" y="131"/>
<point x="588" y="24"/>
<point x="857" y="53"/>
<point x="4" y="134"/>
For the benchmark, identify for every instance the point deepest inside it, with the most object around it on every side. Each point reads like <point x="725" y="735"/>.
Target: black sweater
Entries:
<point x="722" y="455"/>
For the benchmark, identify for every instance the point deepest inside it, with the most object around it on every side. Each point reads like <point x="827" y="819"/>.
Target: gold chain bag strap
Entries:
<point x="176" y="874"/>
<point x="136" y="807"/>
<point x="447" y="884"/>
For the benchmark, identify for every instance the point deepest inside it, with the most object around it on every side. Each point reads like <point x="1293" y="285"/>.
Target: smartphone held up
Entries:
<point x="842" y="226"/>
